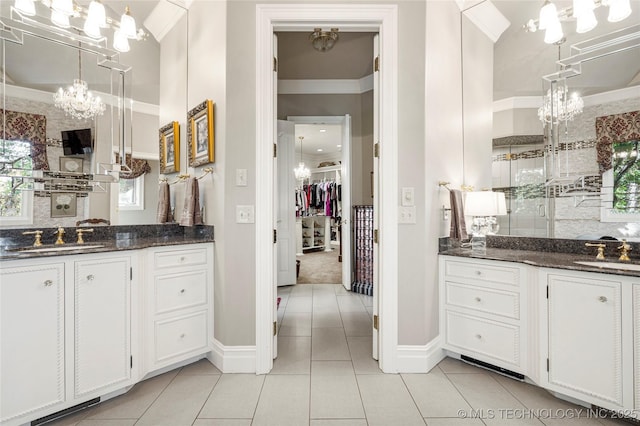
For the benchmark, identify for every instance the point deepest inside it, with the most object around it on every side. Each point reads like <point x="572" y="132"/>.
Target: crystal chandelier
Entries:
<point x="301" y="171"/>
<point x="560" y="106"/>
<point x="77" y="101"/>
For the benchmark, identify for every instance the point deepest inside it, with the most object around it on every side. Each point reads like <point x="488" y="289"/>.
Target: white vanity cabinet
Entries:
<point x="66" y="332"/>
<point x="483" y="313"/>
<point x="32" y="339"/>
<point x="179" y="304"/>
<point x="585" y="353"/>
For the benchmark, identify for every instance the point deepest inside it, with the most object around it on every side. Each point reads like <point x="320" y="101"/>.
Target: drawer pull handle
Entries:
<point x="478" y="336"/>
<point x="182" y="259"/>
<point x="478" y="300"/>
<point x="603" y="299"/>
<point x="182" y="291"/>
<point x="90" y="277"/>
<point x="478" y="273"/>
<point x="182" y="336"/>
<point x="48" y="283"/>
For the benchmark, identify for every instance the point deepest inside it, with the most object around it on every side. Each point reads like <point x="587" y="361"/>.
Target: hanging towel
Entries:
<point x="163" y="214"/>
<point x="458" y="228"/>
<point x="191" y="214"/>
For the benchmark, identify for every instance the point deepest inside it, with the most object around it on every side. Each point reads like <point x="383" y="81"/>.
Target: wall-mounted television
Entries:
<point x="77" y="142"/>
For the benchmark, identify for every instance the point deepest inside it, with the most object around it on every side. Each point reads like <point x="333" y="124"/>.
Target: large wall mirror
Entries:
<point x="34" y="67"/>
<point x="550" y="173"/>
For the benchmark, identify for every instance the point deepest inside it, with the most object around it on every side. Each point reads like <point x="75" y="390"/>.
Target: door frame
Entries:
<point x="381" y="18"/>
<point x="345" y="122"/>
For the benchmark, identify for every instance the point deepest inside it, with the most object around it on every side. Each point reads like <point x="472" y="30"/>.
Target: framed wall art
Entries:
<point x="63" y="204"/>
<point x="201" y="134"/>
<point x="71" y="164"/>
<point x="170" y="148"/>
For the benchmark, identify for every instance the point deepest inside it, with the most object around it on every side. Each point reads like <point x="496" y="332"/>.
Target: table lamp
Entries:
<point x="483" y="207"/>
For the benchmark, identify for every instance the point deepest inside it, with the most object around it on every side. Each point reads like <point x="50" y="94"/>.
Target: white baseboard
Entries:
<point x="420" y="358"/>
<point x="233" y="359"/>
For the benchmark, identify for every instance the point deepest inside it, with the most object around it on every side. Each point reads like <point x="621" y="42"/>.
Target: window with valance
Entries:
<point x="27" y="127"/>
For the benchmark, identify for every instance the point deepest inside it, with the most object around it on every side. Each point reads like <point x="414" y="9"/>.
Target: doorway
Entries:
<point x="381" y="19"/>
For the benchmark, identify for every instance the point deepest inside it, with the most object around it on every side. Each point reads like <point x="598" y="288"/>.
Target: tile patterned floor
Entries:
<point x="324" y="376"/>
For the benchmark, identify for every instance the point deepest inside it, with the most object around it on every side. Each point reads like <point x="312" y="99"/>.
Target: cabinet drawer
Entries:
<point x="483" y="299"/>
<point x="482" y="336"/>
<point x="174" y="258"/>
<point x="177" y="291"/>
<point x="181" y="335"/>
<point x="484" y="272"/>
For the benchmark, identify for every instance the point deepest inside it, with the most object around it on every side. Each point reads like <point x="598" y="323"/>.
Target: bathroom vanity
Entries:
<point x="539" y="316"/>
<point x="82" y="326"/>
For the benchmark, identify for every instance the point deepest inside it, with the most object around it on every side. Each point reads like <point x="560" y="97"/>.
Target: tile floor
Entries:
<point x="324" y="376"/>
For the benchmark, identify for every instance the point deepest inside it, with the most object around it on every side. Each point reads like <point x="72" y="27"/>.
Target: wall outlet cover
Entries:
<point x="407" y="215"/>
<point x="245" y="214"/>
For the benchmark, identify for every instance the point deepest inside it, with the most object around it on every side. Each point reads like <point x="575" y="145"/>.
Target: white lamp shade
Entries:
<point x="26" y="7"/>
<point x="63" y="6"/>
<point x="97" y="14"/>
<point x="618" y="10"/>
<point x="586" y="22"/>
<point x="128" y="25"/>
<point x="92" y="29"/>
<point x="580" y="7"/>
<point x="120" y="42"/>
<point x="548" y="13"/>
<point x="485" y="203"/>
<point x="59" y="19"/>
<point x="501" y="204"/>
<point x="554" y="33"/>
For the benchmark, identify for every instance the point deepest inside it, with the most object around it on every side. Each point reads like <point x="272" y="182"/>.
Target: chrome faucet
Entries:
<point x="60" y="233"/>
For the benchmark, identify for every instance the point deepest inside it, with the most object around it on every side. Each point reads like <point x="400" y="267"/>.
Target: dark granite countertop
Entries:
<point x="108" y="239"/>
<point x="542" y="253"/>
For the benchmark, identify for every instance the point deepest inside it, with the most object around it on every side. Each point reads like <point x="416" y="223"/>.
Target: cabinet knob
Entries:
<point x="182" y="291"/>
<point x="478" y="273"/>
<point x="182" y="336"/>
<point x="182" y="259"/>
<point x="478" y="300"/>
<point x="603" y="299"/>
<point x="48" y="283"/>
<point x="478" y="336"/>
<point x="90" y="277"/>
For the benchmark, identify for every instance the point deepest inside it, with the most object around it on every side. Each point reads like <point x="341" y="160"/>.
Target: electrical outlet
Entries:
<point x="245" y="214"/>
<point x="407" y="214"/>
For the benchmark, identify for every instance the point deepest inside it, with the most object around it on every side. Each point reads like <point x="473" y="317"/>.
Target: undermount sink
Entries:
<point x="612" y="265"/>
<point x="60" y="248"/>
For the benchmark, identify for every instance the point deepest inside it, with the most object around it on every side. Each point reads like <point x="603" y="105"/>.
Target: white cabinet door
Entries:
<point x="636" y="345"/>
<point x="585" y="348"/>
<point x="102" y="325"/>
<point x="32" y="338"/>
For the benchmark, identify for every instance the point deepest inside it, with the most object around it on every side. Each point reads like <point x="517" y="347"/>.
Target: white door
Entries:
<point x="286" y="215"/>
<point x="375" y="189"/>
<point x="345" y="224"/>
<point x="102" y="325"/>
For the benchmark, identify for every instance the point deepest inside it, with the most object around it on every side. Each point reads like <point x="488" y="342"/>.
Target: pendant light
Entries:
<point x="301" y="172"/>
<point x="26" y="7"/>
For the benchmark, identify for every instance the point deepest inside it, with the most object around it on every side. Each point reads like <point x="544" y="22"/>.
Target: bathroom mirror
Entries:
<point x="34" y="70"/>
<point x="538" y="205"/>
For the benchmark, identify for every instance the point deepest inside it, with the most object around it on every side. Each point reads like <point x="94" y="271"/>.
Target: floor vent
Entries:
<point x="492" y="367"/>
<point x="65" y="412"/>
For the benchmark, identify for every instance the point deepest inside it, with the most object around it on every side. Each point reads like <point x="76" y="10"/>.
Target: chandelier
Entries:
<point x="323" y="40"/>
<point x="66" y="14"/>
<point x="558" y="105"/>
<point x="77" y="101"/>
<point x="582" y="11"/>
<point x="301" y="172"/>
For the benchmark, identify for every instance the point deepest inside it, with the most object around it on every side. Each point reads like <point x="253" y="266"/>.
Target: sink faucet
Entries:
<point x="60" y="233"/>
<point x="80" y="231"/>
<point x="601" y="248"/>
<point x="625" y="248"/>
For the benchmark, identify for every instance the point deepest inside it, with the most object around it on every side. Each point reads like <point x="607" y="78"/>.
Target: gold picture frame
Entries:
<point x="170" y="148"/>
<point x="200" y="134"/>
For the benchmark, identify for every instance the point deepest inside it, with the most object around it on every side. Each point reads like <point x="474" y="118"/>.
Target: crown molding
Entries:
<point x="324" y="87"/>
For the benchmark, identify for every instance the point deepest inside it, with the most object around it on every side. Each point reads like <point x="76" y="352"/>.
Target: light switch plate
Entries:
<point x="245" y="214"/>
<point x="408" y="197"/>
<point x="241" y="177"/>
<point x="407" y="214"/>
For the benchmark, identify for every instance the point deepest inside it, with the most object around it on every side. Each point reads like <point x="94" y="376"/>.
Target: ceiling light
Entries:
<point x="301" y="172"/>
<point x="339" y="146"/>
<point x="319" y="150"/>
<point x="63" y="6"/>
<point x="120" y="42"/>
<point x="59" y="19"/>
<point x="323" y="130"/>
<point x="618" y="10"/>
<point x="92" y="29"/>
<point x="553" y="33"/>
<point x="547" y="13"/>
<point x="128" y="24"/>
<point x="323" y="40"/>
<point x="77" y="101"/>
<point x="97" y="14"/>
<point x="585" y="18"/>
<point x="26" y="7"/>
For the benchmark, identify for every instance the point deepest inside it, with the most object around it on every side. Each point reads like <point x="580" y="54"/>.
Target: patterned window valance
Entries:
<point x="138" y="167"/>
<point x="615" y="128"/>
<point x="28" y="127"/>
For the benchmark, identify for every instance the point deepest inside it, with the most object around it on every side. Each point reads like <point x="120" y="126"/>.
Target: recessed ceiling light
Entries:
<point x="319" y="149"/>
<point x="339" y="146"/>
<point x="323" y="130"/>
